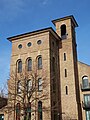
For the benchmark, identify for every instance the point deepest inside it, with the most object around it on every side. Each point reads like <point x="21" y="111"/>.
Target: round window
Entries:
<point x="29" y="44"/>
<point x="20" y="46"/>
<point x="39" y="42"/>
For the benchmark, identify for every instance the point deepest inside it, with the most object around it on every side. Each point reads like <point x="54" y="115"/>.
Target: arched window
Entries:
<point x="85" y="82"/>
<point x="39" y="62"/>
<point x="53" y="64"/>
<point x="29" y="85"/>
<point x="29" y="64"/>
<point x="63" y="31"/>
<point x="19" y="66"/>
<point x="18" y="111"/>
<point x="19" y="87"/>
<point x="28" y="111"/>
<point x="40" y="84"/>
<point x="40" y="110"/>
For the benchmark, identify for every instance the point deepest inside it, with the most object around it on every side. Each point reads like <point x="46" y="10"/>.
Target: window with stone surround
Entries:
<point x="29" y="85"/>
<point x="40" y="117"/>
<point x="29" y="64"/>
<point x="19" y="87"/>
<point x="39" y="60"/>
<point x="19" y="66"/>
<point x="40" y="84"/>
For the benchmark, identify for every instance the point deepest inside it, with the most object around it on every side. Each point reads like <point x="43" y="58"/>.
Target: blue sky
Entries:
<point x="21" y="16"/>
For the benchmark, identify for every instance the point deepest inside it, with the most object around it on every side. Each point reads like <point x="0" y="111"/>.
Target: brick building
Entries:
<point x="53" y="53"/>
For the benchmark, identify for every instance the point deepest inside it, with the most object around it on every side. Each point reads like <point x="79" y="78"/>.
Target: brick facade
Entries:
<point x="59" y="64"/>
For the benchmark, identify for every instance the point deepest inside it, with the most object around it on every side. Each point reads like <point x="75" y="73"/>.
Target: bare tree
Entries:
<point x="3" y="91"/>
<point x="25" y="89"/>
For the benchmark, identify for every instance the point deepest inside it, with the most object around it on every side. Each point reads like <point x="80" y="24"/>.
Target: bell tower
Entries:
<point x="65" y="27"/>
<point x="70" y="96"/>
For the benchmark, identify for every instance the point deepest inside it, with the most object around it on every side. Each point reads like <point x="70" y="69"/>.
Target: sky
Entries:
<point x="21" y="16"/>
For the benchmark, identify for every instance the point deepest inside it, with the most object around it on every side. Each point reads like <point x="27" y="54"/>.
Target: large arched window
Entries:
<point x="40" y="84"/>
<point x="29" y="64"/>
<point x="18" y="111"/>
<point x="63" y="31"/>
<point x="19" y="87"/>
<point x="29" y="85"/>
<point x="19" y="66"/>
<point x="28" y="111"/>
<point x="40" y="111"/>
<point x="85" y="82"/>
<point x="39" y="62"/>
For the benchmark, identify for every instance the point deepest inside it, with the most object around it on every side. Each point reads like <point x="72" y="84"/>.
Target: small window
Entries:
<point x="64" y="56"/>
<point x="19" y="66"/>
<point x="29" y="64"/>
<point x="65" y="72"/>
<point x="39" y="84"/>
<point x="39" y="42"/>
<point x="19" y="87"/>
<point x="20" y="46"/>
<point x="66" y="90"/>
<point x="29" y="85"/>
<point x="29" y="44"/>
<point x="39" y="62"/>
<point x="40" y="110"/>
